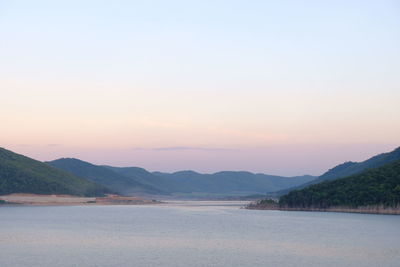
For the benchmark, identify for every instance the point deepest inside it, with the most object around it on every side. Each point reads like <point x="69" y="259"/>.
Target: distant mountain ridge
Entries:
<point x="104" y="175"/>
<point x="123" y="179"/>
<point x="231" y="181"/>
<point x="349" y="168"/>
<point x="145" y="177"/>
<point x="340" y="170"/>
<point x="20" y="174"/>
<point x="73" y="176"/>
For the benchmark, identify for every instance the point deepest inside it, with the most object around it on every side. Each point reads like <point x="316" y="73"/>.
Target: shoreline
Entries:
<point x="69" y="200"/>
<point x="376" y="209"/>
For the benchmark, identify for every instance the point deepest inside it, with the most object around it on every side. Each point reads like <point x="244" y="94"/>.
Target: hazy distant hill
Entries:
<point x="218" y="183"/>
<point x="133" y="179"/>
<point x="143" y="176"/>
<point x="350" y="168"/>
<point x="105" y="176"/>
<point x="376" y="186"/>
<point x="230" y="182"/>
<point x="20" y="174"/>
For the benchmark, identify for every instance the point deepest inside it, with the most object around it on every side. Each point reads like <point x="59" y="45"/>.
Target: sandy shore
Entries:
<point x="35" y="199"/>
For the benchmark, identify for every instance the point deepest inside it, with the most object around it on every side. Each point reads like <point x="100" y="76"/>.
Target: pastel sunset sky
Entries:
<point x="280" y="87"/>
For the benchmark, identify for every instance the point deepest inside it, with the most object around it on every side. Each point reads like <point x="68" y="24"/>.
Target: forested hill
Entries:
<point x="349" y="168"/>
<point x="20" y="174"/>
<point x="106" y="176"/>
<point x="377" y="186"/>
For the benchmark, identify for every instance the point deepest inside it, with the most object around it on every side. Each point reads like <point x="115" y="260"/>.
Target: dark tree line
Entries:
<point x="377" y="186"/>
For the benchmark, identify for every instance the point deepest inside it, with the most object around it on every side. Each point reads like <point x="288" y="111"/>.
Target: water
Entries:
<point x="194" y="234"/>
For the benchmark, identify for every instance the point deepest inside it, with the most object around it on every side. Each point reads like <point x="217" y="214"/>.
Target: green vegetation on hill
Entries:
<point x="347" y="169"/>
<point x="106" y="176"/>
<point x="350" y="168"/>
<point x="144" y="177"/>
<point x="20" y="174"/>
<point x="377" y="186"/>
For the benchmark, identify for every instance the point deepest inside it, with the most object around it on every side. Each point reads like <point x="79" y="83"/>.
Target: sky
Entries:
<point x="280" y="87"/>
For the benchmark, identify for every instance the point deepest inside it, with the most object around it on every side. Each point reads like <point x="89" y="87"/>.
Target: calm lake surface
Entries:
<point x="194" y="234"/>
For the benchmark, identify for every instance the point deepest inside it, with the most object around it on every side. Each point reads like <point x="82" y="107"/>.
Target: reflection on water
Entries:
<point x="194" y="234"/>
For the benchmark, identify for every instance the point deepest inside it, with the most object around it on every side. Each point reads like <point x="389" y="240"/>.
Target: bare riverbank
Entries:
<point x="36" y="199"/>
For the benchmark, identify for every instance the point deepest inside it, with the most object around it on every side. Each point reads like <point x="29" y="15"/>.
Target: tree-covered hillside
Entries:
<point x="347" y="169"/>
<point x="350" y="168"/>
<point x="20" y="174"/>
<point x="105" y="176"/>
<point x="377" y="186"/>
<point x="144" y="177"/>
